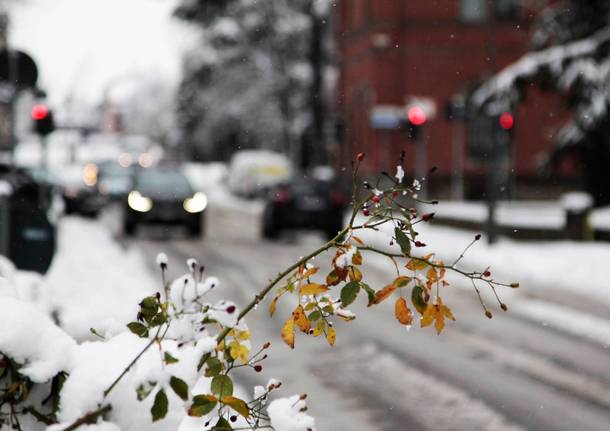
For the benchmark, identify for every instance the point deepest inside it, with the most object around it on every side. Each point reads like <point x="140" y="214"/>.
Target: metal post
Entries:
<point x="457" y="175"/>
<point x="5" y="221"/>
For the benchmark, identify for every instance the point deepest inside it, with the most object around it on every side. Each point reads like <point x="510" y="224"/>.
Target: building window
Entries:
<point x="473" y="10"/>
<point x="507" y="10"/>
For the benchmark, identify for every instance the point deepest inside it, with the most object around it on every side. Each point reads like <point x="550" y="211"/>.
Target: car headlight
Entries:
<point x="139" y="203"/>
<point x="196" y="204"/>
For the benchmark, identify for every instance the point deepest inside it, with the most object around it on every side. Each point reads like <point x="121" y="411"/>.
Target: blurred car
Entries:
<point x="163" y="195"/>
<point x="114" y="180"/>
<point x="304" y="203"/>
<point x="79" y="189"/>
<point x="252" y="173"/>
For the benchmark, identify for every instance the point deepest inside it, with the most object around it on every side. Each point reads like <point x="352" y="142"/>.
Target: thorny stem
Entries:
<point x="90" y="417"/>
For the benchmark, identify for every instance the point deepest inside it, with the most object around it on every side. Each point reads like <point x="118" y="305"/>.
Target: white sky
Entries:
<point x="83" y="46"/>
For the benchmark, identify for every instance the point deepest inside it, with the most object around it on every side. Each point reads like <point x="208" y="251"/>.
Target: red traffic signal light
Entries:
<point x="40" y="112"/>
<point x="416" y="116"/>
<point x="507" y="121"/>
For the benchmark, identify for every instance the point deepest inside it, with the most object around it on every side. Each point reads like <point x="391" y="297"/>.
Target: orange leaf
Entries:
<point x="416" y="265"/>
<point x="431" y="275"/>
<point x="309" y="272"/>
<point x="357" y="258"/>
<point x="313" y="289"/>
<point x="336" y="276"/>
<point x="402" y="312"/>
<point x="287" y="332"/>
<point x="429" y="316"/>
<point x="446" y="311"/>
<point x="440" y="322"/>
<point x="382" y="294"/>
<point x="272" y="306"/>
<point x="358" y="240"/>
<point x="301" y="319"/>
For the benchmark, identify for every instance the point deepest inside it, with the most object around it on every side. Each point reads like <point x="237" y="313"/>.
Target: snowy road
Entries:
<point x="528" y="369"/>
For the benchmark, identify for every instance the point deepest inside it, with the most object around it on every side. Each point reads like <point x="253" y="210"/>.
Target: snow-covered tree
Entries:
<point x="257" y="77"/>
<point x="570" y="55"/>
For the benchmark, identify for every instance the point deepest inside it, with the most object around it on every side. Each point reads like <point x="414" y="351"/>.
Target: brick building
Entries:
<point x="392" y="49"/>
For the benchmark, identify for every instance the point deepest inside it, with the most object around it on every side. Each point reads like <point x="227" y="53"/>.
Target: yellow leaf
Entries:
<point x="238" y="405"/>
<point x="239" y="351"/>
<point x="354" y="274"/>
<point x="402" y="281"/>
<point x="287" y="332"/>
<point x="429" y="315"/>
<point x="301" y="319"/>
<point x="382" y="294"/>
<point x="357" y="258"/>
<point x="319" y="328"/>
<point x="331" y="336"/>
<point x="272" y="306"/>
<point x="313" y="289"/>
<point x="440" y="322"/>
<point x="446" y="311"/>
<point x="417" y="265"/>
<point x="243" y="335"/>
<point x="431" y="275"/>
<point x="402" y="312"/>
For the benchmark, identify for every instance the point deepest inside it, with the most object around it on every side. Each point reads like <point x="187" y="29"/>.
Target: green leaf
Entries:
<point x="314" y="315"/>
<point x="158" y="319"/>
<point x="370" y="293"/>
<point x="144" y="390"/>
<point x="418" y="300"/>
<point x="349" y="293"/>
<point x="222" y="386"/>
<point x="202" y="405"/>
<point x="180" y="387"/>
<point x="159" y="408"/>
<point x="214" y="367"/>
<point x="138" y="329"/>
<point x="222" y="425"/>
<point x="238" y="405"/>
<point x="403" y="241"/>
<point x="169" y="359"/>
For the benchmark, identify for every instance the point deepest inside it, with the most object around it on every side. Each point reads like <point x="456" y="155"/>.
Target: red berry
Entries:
<point x="231" y="309"/>
<point x="258" y="368"/>
<point x="427" y="216"/>
<point x="487" y="274"/>
<point x="419" y="244"/>
<point x="233" y="418"/>
<point x="366" y="212"/>
<point x="360" y="157"/>
<point x="376" y="198"/>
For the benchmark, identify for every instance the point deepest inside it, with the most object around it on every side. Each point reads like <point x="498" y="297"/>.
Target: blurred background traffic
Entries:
<point x="226" y="130"/>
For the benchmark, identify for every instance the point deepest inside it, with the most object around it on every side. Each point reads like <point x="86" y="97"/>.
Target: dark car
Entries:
<point x="164" y="196"/>
<point x="79" y="190"/>
<point x="304" y="203"/>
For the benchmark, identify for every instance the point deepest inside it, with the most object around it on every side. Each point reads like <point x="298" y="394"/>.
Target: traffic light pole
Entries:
<point x="421" y="162"/>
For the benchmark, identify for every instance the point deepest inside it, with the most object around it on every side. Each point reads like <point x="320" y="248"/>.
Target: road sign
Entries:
<point x="25" y="73"/>
<point x="386" y="117"/>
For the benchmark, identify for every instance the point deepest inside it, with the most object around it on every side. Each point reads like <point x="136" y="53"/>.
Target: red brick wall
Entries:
<point x="428" y="52"/>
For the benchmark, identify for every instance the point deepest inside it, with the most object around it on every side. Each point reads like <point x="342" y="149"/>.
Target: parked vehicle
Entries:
<point x="163" y="195"/>
<point x="114" y="180"/>
<point x="304" y="203"/>
<point x="79" y="190"/>
<point x="252" y="173"/>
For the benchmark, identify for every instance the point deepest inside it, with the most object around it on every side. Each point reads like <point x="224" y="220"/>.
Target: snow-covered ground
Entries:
<point x="532" y="214"/>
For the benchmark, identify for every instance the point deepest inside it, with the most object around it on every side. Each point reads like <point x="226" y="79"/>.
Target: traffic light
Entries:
<point x="43" y="119"/>
<point x="506" y="121"/>
<point x="416" y="119"/>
